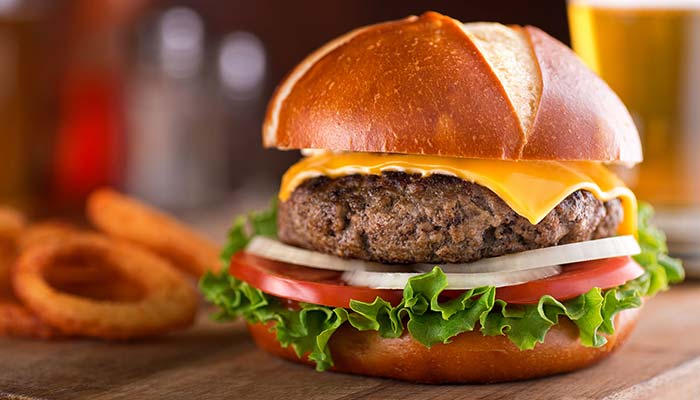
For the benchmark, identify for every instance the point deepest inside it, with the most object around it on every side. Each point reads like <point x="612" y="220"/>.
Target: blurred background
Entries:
<point x="165" y="99"/>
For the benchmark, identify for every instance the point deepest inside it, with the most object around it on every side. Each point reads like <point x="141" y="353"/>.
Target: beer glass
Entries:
<point x="26" y="107"/>
<point x="648" y="51"/>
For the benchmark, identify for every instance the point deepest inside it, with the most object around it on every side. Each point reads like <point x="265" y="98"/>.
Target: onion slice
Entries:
<point x="555" y="255"/>
<point x="278" y="251"/>
<point x="488" y="271"/>
<point x="457" y="281"/>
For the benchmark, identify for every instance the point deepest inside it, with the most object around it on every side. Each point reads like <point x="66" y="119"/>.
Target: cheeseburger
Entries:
<point x="453" y="218"/>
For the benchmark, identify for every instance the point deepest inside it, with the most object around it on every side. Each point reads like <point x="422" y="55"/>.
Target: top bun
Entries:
<point x="432" y="85"/>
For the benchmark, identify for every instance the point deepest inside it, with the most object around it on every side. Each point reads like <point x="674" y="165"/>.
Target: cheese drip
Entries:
<point x="531" y="188"/>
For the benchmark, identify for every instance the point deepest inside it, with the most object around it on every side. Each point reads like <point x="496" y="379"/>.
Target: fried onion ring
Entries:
<point x="15" y="319"/>
<point x="128" y="219"/>
<point x="67" y="274"/>
<point x="40" y="233"/>
<point x="11" y="223"/>
<point x="168" y="301"/>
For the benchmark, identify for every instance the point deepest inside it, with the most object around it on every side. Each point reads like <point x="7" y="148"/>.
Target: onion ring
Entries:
<point x="15" y="319"/>
<point x="11" y="223"/>
<point x="66" y="274"/>
<point x="168" y="302"/>
<point x="42" y="232"/>
<point x="128" y="219"/>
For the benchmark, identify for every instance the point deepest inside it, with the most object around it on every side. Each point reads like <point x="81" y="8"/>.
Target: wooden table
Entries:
<point x="211" y="361"/>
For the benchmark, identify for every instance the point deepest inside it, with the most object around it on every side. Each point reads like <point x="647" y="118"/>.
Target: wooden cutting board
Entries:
<point x="211" y="361"/>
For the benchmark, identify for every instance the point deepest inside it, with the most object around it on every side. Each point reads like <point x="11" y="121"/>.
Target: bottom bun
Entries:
<point x="469" y="358"/>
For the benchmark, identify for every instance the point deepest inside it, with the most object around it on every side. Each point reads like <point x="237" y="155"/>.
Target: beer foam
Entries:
<point x="640" y="4"/>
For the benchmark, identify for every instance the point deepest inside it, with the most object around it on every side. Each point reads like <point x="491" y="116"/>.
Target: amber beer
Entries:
<point x="649" y="53"/>
<point x="26" y="74"/>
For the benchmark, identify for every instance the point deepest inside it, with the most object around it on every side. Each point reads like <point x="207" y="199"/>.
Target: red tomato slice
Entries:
<point x="325" y="287"/>
<point x="308" y="285"/>
<point x="575" y="279"/>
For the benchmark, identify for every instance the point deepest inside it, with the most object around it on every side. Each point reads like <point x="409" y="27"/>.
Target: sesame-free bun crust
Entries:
<point x="469" y="358"/>
<point x="432" y="85"/>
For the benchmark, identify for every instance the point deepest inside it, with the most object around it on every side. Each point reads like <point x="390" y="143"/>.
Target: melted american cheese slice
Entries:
<point x="531" y="188"/>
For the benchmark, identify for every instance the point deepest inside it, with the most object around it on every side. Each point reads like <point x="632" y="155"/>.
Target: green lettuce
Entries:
<point x="427" y="319"/>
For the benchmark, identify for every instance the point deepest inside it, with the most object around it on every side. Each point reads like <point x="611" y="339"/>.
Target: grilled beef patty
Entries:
<point x="403" y="218"/>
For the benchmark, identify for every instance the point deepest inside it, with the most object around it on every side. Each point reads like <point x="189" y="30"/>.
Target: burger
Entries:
<point x="454" y="218"/>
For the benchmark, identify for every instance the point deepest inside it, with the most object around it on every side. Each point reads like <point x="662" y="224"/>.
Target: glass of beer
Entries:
<point x="648" y="51"/>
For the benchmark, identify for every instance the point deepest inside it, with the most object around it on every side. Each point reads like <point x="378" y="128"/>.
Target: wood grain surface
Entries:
<point x="212" y="361"/>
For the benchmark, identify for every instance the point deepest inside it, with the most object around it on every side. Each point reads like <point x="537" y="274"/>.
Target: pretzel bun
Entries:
<point x="433" y="85"/>
<point x="469" y="358"/>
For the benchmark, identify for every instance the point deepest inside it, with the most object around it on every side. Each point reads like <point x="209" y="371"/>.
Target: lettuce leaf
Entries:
<point x="259" y="223"/>
<point x="427" y="319"/>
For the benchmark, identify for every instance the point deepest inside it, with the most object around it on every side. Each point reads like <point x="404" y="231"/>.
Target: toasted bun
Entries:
<point x="469" y="358"/>
<point x="432" y="85"/>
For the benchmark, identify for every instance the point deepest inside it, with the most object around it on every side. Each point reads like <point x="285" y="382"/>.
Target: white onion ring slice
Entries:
<point x="616" y="246"/>
<point x="275" y="250"/>
<point x="538" y="259"/>
<point x="458" y="281"/>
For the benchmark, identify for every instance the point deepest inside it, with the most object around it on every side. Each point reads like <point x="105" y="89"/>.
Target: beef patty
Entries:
<point x="402" y="218"/>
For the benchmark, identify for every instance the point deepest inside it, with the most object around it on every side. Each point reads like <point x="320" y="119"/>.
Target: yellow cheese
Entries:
<point x="531" y="188"/>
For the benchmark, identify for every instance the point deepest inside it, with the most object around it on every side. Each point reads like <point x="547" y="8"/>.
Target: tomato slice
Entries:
<point x="575" y="279"/>
<point x="308" y="285"/>
<point x="325" y="287"/>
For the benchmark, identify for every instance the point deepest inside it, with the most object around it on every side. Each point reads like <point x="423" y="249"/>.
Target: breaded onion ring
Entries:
<point x="15" y="319"/>
<point x="128" y="219"/>
<point x="11" y="223"/>
<point x="68" y="274"/>
<point x="167" y="302"/>
<point x="42" y="232"/>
